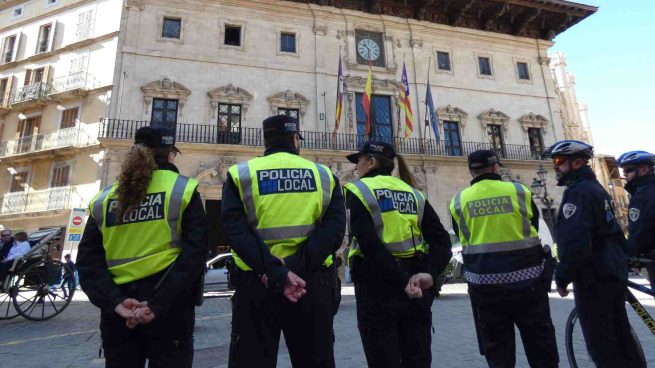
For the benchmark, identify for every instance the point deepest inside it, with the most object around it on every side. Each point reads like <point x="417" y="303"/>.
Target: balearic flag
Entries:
<point x="406" y="104"/>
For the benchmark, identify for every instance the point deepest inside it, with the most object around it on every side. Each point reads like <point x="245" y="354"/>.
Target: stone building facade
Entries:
<point x="56" y="72"/>
<point x="224" y="67"/>
<point x="213" y="70"/>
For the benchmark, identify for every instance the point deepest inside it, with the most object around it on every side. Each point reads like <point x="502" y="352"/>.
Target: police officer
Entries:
<point x="399" y="249"/>
<point x="639" y="170"/>
<point x="285" y="220"/>
<point x="591" y="248"/>
<point x="497" y="223"/>
<point x="142" y="256"/>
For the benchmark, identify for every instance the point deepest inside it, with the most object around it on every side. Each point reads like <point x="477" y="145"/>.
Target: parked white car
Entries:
<point x="218" y="274"/>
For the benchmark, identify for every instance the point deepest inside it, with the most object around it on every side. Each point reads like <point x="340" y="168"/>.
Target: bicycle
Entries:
<point x="576" y="349"/>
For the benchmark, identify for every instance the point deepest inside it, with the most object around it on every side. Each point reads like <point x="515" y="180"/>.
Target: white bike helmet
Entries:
<point x="570" y="148"/>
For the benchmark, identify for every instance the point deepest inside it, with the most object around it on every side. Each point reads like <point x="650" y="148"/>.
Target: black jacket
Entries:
<point x="641" y="215"/>
<point x="323" y="241"/>
<point x="378" y="262"/>
<point x="590" y="243"/>
<point x="177" y="287"/>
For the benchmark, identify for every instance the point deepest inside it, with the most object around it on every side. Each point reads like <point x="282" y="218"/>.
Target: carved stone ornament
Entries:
<point x="416" y="43"/>
<point x="288" y="99"/>
<point x="420" y="178"/>
<point x="450" y="113"/>
<point x="493" y="117"/>
<point x="208" y="176"/>
<point x="358" y="84"/>
<point x="164" y="88"/>
<point x="231" y="95"/>
<point x="533" y="121"/>
<point x="135" y="4"/>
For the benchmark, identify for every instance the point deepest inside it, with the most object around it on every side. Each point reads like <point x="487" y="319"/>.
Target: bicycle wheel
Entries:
<point x="576" y="348"/>
<point x="40" y="293"/>
<point x="7" y="310"/>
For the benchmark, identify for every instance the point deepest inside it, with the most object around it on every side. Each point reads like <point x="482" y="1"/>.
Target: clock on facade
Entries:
<point x="368" y="49"/>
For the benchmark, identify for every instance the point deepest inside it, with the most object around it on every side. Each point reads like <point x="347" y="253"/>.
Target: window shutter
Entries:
<point x="51" y="36"/>
<point x="7" y="96"/>
<point x="46" y="73"/>
<point x="14" y="52"/>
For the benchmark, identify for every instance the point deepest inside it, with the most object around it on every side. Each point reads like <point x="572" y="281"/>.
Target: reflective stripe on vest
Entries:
<point x="378" y="223"/>
<point x="279" y="233"/>
<point x="463" y="227"/>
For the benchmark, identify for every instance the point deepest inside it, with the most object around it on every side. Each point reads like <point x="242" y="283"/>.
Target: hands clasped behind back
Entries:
<point x="134" y="312"/>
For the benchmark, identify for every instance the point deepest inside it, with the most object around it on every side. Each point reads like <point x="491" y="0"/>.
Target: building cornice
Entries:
<point x="61" y="50"/>
<point x="46" y="13"/>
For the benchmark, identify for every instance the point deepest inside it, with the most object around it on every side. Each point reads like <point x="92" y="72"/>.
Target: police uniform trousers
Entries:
<point x="605" y="325"/>
<point x="166" y="342"/>
<point x="497" y="309"/>
<point x="395" y="330"/>
<point x="259" y="315"/>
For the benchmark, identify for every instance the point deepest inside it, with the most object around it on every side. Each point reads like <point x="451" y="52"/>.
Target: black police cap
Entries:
<point x="156" y="136"/>
<point x="373" y="147"/>
<point x="281" y="125"/>
<point x="483" y="158"/>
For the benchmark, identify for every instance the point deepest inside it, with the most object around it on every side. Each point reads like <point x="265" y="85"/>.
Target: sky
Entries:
<point x="612" y="55"/>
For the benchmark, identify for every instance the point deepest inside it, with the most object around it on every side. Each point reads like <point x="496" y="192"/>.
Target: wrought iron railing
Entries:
<point x="79" y="80"/>
<point x="35" y="201"/>
<point x="212" y="134"/>
<point x="67" y="137"/>
<point x="34" y="91"/>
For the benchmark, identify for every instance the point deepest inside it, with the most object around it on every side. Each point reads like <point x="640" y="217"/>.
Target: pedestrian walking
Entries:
<point x="399" y="249"/>
<point x="285" y="220"/>
<point x="592" y="256"/>
<point x="142" y="256"/>
<point x="497" y="223"/>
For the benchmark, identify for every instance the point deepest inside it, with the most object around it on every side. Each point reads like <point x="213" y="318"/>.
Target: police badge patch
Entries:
<point x="568" y="210"/>
<point x="634" y="214"/>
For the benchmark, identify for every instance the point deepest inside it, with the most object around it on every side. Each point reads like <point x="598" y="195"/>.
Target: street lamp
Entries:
<point x="537" y="186"/>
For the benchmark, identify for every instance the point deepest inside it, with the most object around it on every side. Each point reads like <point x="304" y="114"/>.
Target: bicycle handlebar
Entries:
<point x="639" y="261"/>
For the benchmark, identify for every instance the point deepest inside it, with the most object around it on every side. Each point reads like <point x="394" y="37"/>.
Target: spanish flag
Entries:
<point x="406" y="104"/>
<point x="366" y="101"/>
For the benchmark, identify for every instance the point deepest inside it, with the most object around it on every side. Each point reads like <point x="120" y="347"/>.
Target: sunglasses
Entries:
<point x="559" y="161"/>
<point x="6" y="234"/>
<point x="629" y="170"/>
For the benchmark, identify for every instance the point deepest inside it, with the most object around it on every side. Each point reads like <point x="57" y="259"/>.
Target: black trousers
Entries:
<point x="605" y="325"/>
<point x="497" y="313"/>
<point x="167" y="341"/>
<point x="259" y="315"/>
<point x="395" y="330"/>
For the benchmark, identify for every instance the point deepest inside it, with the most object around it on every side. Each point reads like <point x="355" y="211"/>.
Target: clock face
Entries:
<point x="368" y="49"/>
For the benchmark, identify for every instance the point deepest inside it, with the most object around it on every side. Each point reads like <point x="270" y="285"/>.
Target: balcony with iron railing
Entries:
<point x="50" y="199"/>
<point x="35" y="92"/>
<point x="78" y="83"/>
<point x="212" y="134"/>
<point x="43" y="143"/>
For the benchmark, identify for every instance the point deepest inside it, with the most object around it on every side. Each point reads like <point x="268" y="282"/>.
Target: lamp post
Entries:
<point x="537" y="186"/>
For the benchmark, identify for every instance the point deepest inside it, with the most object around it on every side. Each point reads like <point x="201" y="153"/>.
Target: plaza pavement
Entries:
<point x="72" y="339"/>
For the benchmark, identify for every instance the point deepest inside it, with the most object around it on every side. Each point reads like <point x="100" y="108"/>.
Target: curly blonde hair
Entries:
<point x="136" y="172"/>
